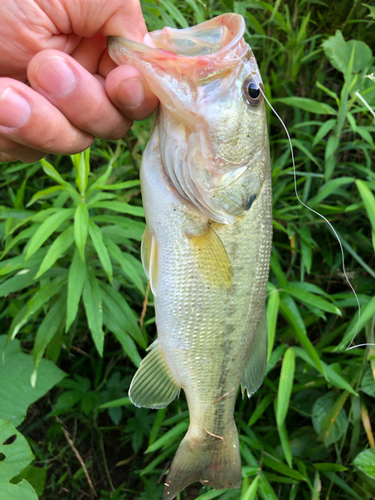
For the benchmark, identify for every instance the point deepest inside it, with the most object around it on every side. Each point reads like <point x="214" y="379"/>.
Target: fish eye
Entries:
<point x="253" y="91"/>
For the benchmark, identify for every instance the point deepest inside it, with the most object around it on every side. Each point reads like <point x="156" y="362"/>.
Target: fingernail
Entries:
<point x="55" y="77"/>
<point x="131" y="93"/>
<point x="14" y="109"/>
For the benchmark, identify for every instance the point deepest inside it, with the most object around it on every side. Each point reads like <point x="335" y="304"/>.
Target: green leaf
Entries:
<point x="290" y="311"/>
<point x="260" y="409"/>
<point x="250" y="493"/>
<point x="309" y="105"/>
<point x="35" y="476"/>
<point x="368" y="383"/>
<point x="120" y="309"/>
<point x="101" y="249"/>
<point x="282" y="468"/>
<point x="34" y="304"/>
<point x="22" y="280"/>
<point x="339" y="53"/>
<point x="169" y="437"/>
<point x="285" y="386"/>
<point x="46" y="229"/>
<point x="47" y="329"/>
<point x="115" y="403"/>
<point x="329" y="188"/>
<point x="92" y="299"/>
<point x="125" y="340"/>
<point x="119" y="206"/>
<point x="365" y="461"/>
<point x="324" y="466"/>
<point x="23" y="235"/>
<point x="175" y="13"/>
<point x="122" y="185"/>
<point x="45" y="193"/>
<point x="272" y="313"/>
<point x="53" y="173"/>
<point x="368" y="200"/>
<point x="17" y="453"/>
<point x="265" y="489"/>
<point x="81" y="226"/>
<point x="323" y="131"/>
<point x="342" y="484"/>
<point x="15" y="374"/>
<point x="58" y="247"/>
<point x="81" y="162"/>
<point x="76" y="281"/>
<point x="20" y="491"/>
<point x="320" y="409"/>
<point x="312" y="300"/>
<point x="125" y="263"/>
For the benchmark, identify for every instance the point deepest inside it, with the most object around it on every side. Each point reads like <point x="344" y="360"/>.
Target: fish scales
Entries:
<point x="206" y="187"/>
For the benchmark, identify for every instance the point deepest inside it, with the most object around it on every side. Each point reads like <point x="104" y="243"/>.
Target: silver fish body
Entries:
<point x="206" y="186"/>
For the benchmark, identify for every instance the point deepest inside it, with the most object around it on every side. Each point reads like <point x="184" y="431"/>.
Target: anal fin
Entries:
<point x="153" y="385"/>
<point x="212" y="259"/>
<point x="256" y="363"/>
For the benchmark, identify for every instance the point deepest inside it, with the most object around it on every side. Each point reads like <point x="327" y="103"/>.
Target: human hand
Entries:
<point x="76" y="91"/>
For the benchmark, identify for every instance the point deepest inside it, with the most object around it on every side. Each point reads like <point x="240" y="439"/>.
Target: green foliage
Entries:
<point x="72" y="287"/>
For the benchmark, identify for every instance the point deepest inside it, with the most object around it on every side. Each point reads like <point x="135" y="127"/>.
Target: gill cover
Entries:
<point x="205" y="120"/>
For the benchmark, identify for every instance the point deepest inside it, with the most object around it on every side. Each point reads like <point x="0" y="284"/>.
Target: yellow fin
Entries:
<point x="153" y="385"/>
<point x="212" y="259"/>
<point x="149" y="257"/>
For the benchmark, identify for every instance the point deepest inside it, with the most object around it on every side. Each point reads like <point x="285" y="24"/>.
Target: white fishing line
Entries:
<point x="350" y="346"/>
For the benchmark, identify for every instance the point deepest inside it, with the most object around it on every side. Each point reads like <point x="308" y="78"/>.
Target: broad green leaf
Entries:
<point x="92" y="300"/>
<point x="101" y="249"/>
<point x="168" y="437"/>
<point x="35" y="476"/>
<point x="81" y="226"/>
<point x="45" y="193"/>
<point x="285" y="386"/>
<point x="19" y="491"/>
<point x="76" y="281"/>
<point x="120" y="207"/>
<point x="309" y="105"/>
<point x="35" y="303"/>
<point x="365" y="461"/>
<point x="15" y="374"/>
<point x="368" y="200"/>
<point x="58" y="247"/>
<point x="17" y="454"/>
<point x="47" y="329"/>
<point x="272" y="313"/>
<point x="336" y="50"/>
<point x="368" y="383"/>
<point x="46" y="229"/>
<point x="320" y="409"/>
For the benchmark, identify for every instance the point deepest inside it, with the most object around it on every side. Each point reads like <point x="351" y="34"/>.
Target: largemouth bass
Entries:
<point x="206" y="187"/>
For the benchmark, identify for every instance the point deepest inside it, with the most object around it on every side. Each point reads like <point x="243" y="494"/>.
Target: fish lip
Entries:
<point x="226" y="20"/>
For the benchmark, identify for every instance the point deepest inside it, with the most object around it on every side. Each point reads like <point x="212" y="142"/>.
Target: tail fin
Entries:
<point x="214" y="461"/>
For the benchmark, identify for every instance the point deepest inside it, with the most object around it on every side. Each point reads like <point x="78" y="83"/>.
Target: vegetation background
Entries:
<point x="72" y="288"/>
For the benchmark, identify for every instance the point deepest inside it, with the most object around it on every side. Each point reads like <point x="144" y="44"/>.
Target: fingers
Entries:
<point x="130" y="92"/>
<point x="77" y="94"/>
<point x="29" y="124"/>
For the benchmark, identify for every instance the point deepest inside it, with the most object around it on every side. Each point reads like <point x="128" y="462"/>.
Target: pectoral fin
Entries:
<point x="212" y="259"/>
<point x="153" y="385"/>
<point x="255" y="367"/>
<point x="149" y="257"/>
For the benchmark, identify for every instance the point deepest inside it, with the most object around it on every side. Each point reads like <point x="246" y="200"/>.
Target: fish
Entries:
<point x="207" y="195"/>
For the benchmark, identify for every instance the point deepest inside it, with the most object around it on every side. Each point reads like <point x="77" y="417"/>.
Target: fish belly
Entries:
<point x="205" y="331"/>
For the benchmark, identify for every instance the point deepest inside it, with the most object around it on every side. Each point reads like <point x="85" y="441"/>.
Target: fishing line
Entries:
<point x="350" y="346"/>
